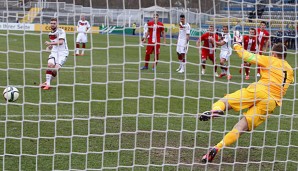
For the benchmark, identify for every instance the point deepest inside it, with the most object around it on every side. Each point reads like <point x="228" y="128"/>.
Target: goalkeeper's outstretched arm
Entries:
<point x="250" y="57"/>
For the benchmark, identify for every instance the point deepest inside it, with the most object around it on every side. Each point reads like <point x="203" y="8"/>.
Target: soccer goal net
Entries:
<point x="102" y="112"/>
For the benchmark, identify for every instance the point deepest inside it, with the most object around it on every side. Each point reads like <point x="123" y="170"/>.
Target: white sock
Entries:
<point x="180" y="62"/>
<point x="83" y="51"/>
<point x="182" y="66"/>
<point x="78" y="51"/>
<point x="48" y="79"/>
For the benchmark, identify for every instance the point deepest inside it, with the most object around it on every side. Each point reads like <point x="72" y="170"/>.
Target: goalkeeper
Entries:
<point x="260" y="98"/>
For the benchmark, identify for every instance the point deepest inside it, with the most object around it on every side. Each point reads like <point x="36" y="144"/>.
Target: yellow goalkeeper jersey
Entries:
<point x="276" y="74"/>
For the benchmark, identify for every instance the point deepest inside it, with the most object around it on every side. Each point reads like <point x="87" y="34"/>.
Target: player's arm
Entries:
<point x="146" y="35"/>
<point x="59" y="42"/>
<point x="252" y="58"/>
<point x="266" y="45"/>
<point x="164" y="35"/>
<point x="220" y="43"/>
<point x="187" y="34"/>
<point x="88" y="27"/>
<point x="200" y="39"/>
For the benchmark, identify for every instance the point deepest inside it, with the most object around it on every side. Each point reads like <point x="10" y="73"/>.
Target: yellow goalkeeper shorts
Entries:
<point x="258" y="102"/>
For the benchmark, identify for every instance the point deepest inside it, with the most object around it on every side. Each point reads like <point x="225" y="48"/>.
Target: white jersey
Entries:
<point x="184" y="30"/>
<point x="83" y="26"/>
<point x="226" y="37"/>
<point x="182" y="43"/>
<point x="59" y="50"/>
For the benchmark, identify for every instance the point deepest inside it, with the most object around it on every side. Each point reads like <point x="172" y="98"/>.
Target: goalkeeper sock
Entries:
<point x="219" y="105"/>
<point x="229" y="139"/>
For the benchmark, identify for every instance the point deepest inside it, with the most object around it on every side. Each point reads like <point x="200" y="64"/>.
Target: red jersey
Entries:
<point x="208" y="45"/>
<point x="262" y="37"/>
<point x="250" y="44"/>
<point x="155" y="31"/>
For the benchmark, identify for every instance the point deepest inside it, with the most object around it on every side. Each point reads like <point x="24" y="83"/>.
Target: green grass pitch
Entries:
<point x="107" y="114"/>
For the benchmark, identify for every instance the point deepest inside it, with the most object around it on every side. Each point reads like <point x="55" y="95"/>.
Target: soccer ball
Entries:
<point x="11" y="94"/>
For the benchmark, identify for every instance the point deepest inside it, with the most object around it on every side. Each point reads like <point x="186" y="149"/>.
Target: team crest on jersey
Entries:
<point x="82" y="24"/>
<point x="53" y="36"/>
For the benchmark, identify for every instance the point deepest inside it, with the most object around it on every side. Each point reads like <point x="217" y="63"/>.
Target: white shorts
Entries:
<point x="55" y="59"/>
<point x="182" y="47"/>
<point x="225" y="54"/>
<point x="82" y="38"/>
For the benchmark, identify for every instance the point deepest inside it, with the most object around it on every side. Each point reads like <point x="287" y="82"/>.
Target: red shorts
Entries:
<point x="152" y="48"/>
<point x="206" y="54"/>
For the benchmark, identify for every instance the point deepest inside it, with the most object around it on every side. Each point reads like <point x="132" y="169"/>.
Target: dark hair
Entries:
<point x="225" y="26"/>
<point x="264" y="22"/>
<point x="280" y="50"/>
<point x="253" y="29"/>
<point x="156" y="14"/>
<point x="182" y="16"/>
<point x="54" y="19"/>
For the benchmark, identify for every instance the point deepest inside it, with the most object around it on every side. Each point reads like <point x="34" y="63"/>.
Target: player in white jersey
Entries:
<point x="145" y="30"/>
<point x="83" y="28"/>
<point x="59" y="52"/>
<point x="182" y="44"/>
<point x="225" y="52"/>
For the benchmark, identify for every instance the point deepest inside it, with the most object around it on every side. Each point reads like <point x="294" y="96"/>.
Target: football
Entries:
<point x="11" y="94"/>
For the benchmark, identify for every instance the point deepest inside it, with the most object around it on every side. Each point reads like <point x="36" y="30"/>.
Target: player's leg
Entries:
<point x="182" y="57"/>
<point x="227" y="57"/>
<point x="238" y="100"/>
<point x="247" y="70"/>
<point x="78" y="41"/>
<point x="258" y="67"/>
<point x="49" y="71"/>
<point x="204" y="56"/>
<point x="180" y="61"/>
<point x="229" y="139"/>
<point x="223" y="67"/>
<point x="149" y="50"/>
<point x="156" y="56"/>
<point x="54" y="66"/>
<point x="213" y="59"/>
<point x="84" y="41"/>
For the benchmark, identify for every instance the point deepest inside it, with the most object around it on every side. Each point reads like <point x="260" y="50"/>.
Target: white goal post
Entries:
<point x="104" y="113"/>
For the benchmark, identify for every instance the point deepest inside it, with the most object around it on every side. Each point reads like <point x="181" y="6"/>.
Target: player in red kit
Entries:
<point x="155" y="30"/>
<point x="249" y="44"/>
<point x="208" y="50"/>
<point x="262" y="40"/>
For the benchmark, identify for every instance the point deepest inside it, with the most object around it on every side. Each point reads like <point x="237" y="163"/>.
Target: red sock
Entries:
<point x="147" y="59"/>
<point x="180" y="57"/>
<point x="54" y="73"/>
<point x="84" y="45"/>
<point x="78" y="45"/>
<point x="183" y="57"/>
<point x="49" y="72"/>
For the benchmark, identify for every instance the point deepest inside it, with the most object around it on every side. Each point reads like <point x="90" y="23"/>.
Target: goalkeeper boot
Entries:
<point x="205" y="116"/>
<point x="247" y="77"/>
<point x="229" y="77"/>
<point x="210" y="155"/>
<point x="144" y="68"/>
<point x="216" y="74"/>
